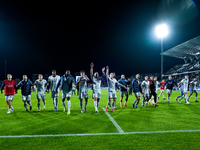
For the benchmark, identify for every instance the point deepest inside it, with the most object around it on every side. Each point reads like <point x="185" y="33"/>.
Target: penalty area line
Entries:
<point x="93" y="134"/>
<point x="113" y="121"/>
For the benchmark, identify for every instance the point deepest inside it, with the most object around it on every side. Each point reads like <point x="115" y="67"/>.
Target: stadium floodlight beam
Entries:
<point x="161" y="31"/>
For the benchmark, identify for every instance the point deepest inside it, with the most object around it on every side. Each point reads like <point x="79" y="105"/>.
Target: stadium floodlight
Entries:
<point x="161" y="31"/>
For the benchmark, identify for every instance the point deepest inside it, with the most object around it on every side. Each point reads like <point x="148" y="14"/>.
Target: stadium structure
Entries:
<point x="189" y="51"/>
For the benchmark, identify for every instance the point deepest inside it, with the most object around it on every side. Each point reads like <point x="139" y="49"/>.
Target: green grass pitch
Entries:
<point x="166" y="117"/>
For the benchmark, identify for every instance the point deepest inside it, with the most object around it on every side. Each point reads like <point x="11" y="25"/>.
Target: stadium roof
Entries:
<point x="186" y="50"/>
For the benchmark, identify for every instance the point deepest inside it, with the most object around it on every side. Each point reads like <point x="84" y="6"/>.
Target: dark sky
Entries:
<point x="36" y="37"/>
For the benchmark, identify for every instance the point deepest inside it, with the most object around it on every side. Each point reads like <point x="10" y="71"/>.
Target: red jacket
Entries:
<point x="162" y="85"/>
<point x="9" y="87"/>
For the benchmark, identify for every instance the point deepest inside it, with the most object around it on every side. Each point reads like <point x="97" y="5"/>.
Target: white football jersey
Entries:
<point x="185" y="84"/>
<point x="96" y="84"/>
<point x="40" y="85"/>
<point x="157" y="84"/>
<point x="53" y="81"/>
<point x="145" y="86"/>
<point x="82" y="84"/>
<point x="193" y="85"/>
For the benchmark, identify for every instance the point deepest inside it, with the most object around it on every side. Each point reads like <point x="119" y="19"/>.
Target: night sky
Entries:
<point x="37" y="37"/>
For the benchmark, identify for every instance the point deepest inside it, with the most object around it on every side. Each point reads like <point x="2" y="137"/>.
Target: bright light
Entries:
<point x="161" y="30"/>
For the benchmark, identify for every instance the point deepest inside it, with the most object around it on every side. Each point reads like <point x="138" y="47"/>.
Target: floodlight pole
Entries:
<point x="161" y="39"/>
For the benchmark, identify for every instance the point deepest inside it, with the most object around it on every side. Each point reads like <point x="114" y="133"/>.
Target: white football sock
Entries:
<point x="69" y="105"/>
<point x="186" y="98"/>
<point x="95" y="105"/>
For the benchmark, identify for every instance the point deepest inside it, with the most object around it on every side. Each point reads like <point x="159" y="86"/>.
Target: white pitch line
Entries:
<point x="113" y="121"/>
<point x="168" y="131"/>
<point x="93" y="134"/>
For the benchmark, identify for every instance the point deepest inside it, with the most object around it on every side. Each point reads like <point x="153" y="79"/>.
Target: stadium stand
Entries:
<point x="189" y="51"/>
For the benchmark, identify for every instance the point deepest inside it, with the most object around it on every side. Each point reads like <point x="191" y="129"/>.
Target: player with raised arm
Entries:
<point x="52" y="82"/>
<point x="136" y="89"/>
<point x="123" y="91"/>
<point x="96" y="85"/>
<point x="152" y="89"/>
<point x="83" y="91"/>
<point x="9" y="89"/>
<point x="145" y="90"/>
<point x="185" y="83"/>
<point x="193" y="89"/>
<point x="162" y="89"/>
<point x="111" y="89"/>
<point x="169" y="86"/>
<point x="65" y="83"/>
<point x="26" y="87"/>
<point x="41" y="85"/>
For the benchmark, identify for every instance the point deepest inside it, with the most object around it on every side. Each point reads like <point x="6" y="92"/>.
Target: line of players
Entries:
<point x="169" y="85"/>
<point x="148" y="88"/>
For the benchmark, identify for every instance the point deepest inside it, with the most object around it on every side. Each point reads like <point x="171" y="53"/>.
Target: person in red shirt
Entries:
<point x="9" y="89"/>
<point x="162" y="87"/>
